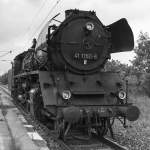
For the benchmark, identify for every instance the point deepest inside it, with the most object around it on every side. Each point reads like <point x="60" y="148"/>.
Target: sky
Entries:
<point x="21" y="20"/>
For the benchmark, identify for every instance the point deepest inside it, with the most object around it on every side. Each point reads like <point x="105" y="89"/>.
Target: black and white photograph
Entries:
<point x="74" y="75"/>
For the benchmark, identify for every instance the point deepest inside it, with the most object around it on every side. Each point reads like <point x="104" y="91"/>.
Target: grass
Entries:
<point x="137" y="135"/>
<point x="140" y="99"/>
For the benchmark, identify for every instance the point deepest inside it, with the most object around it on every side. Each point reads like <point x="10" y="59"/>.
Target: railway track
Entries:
<point x="102" y="143"/>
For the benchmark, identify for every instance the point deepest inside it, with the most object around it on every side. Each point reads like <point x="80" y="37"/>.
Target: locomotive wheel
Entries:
<point x="102" y="130"/>
<point x="106" y="126"/>
<point x="60" y="129"/>
<point x="110" y="124"/>
<point x="36" y="106"/>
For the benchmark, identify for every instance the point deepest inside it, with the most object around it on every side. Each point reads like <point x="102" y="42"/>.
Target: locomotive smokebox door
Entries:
<point x="121" y="36"/>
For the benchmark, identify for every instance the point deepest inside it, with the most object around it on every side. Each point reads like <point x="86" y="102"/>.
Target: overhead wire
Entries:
<point x="5" y="60"/>
<point x="37" y="13"/>
<point x="41" y="24"/>
<point x="5" y="54"/>
<point x="35" y="18"/>
<point x="4" y="51"/>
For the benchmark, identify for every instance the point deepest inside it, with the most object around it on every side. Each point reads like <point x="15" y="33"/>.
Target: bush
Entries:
<point x="4" y="78"/>
<point x="145" y="85"/>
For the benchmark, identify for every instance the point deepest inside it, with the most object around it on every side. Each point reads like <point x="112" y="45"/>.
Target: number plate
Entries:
<point x="87" y="56"/>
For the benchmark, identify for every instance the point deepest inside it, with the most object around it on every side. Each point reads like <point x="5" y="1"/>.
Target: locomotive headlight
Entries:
<point x="24" y="85"/>
<point x="66" y="94"/>
<point x="89" y="26"/>
<point x="20" y="97"/>
<point x="122" y="94"/>
<point x="32" y="91"/>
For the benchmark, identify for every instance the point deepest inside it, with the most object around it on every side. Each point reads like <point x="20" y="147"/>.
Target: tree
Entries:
<point x="117" y="66"/>
<point x="4" y="78"/>
<point x="141" y="62"/>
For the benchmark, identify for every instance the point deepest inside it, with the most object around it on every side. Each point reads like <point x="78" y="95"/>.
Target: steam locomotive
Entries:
<point x="61" y="78"/>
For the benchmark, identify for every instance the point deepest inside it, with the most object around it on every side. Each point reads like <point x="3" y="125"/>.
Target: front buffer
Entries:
<point x="74" y="114"/>
<point x="91" y="119"/>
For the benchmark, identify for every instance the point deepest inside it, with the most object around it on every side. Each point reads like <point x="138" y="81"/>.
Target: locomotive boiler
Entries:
<point x="61" y="78"/>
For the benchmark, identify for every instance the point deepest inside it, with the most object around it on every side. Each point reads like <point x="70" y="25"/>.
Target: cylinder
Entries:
<point x="71" y="114"/>
<point x="130" y="112"/>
